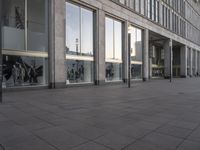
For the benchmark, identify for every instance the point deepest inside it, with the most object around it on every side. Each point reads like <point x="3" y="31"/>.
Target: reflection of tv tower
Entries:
<point x="77" y="46"/>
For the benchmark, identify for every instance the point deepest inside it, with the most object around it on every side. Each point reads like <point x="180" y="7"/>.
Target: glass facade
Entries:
<point x="24" y="42"/>
<point x="157" y="54"/>
<point x="136" y="52"/>
<point x="113" y="38"/>
<point x="79" y="44"/>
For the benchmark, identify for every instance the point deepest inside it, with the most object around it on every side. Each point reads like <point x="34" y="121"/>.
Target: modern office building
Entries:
<point x="59" y="43"/>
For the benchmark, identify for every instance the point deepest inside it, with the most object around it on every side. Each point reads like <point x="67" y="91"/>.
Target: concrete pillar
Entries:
<point x="167" y="50"/>
<point x="146" y="55"/>
<point x="191" y="62"/>
<point x="183" y="54"/>
<point x="57" y="73"/>
<point x="100" y="48"/>
<point x="195" y="62"/>
<point x="125" y="50"/>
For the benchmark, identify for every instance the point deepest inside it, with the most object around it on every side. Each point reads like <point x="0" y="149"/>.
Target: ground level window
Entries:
<point x="79" y="71"/>
<point x="24" y="71"/>
<point x="113" y="71"/>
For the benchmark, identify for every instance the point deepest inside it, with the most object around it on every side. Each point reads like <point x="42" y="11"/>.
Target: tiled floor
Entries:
<point x="156" y="115"/>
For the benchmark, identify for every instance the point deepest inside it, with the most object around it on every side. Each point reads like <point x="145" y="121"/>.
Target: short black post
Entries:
<point x="129" y="60"/>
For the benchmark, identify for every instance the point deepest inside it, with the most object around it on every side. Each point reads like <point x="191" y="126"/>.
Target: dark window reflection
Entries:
<point x="113" y="71"/>
<point x="79" y="71"/>
<point x="158" y="72"/>
<point x="23" y="71"/>
<point x="136" y="71"/>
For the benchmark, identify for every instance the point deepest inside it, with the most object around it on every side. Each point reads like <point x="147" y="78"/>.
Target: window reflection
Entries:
<point x="37" y="25"/>
<point x="79" y="71"/>
<point x="136" y="52"/>
<point x="113" y="37"/>
<point x="136" y="71"/>
<point x="79" y="44"/>
<point x="14" y="25"/>
<point x="79" y="30"/>
<point x="113" y="71"/>
<point x="24" y="71"/>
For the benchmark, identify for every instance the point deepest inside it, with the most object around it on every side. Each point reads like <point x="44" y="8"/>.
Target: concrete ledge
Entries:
<point x="60" y="85"/>
<point x="24" y="88"/>
<point x="183" y="76"/>
<point x="99" y="82"/>
<point x="145" y="79"/>
<point x="166" y="77"/>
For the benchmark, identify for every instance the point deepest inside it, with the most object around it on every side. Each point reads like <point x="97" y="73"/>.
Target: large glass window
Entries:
<point x="24" y="71"/>
<point x="24" y="33"/>
<point x="25" y="25"/>
<point x="79" y="44"/>
<point x="136" y="52"/>
<point x="13" y="25"/>
<point x="113" y="49"/>
<point x="37" y="25"/>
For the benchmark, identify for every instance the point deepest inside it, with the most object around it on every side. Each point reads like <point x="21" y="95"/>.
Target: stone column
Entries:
<point x="146" y="55"/>
<point x="167" y="53"/>
<point x="191" y="62"/>
<point x="183" y="54"/>
<point x="100" y="48"/>
<point x="125" y="50"/>
<point x="57" y="70"/>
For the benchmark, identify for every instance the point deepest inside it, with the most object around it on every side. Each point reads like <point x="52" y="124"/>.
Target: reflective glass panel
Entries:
<point x="72" y="29"/>
<point x="113" y="71"/>
<point x="109" y="38"/>
<point x="79" y="30"/>
<point x="86" y="32"/>
<point x="37" y="25"/>
<point x="79" y="71"/>
<point x="136" y="71"/>
<point x="13" y="31"/>
<point x="24" y="71"/>
<point x="136" y="43"/>
<point x="118" y="40"/>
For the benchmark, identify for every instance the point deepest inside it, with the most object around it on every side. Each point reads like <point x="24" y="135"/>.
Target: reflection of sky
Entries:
<point x="136" y="43"/>
<point x="79" y="24"/>
<point x="113" y="39"/>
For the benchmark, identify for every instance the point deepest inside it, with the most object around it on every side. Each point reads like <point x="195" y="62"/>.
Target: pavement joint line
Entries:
<point x="2" y="147"/>
<point x="186" y="138"/>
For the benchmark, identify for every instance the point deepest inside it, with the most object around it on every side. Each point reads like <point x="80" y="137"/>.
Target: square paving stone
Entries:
<point x="189" y="145"/>
<point x="165" y="141"/>
<point x="90" y="146"/>
<point x="114" y="141"/>
<point x="90" y="133"/>
<point x="143" y="145"/>
<point x="59" y="138"/>
<point x="27" y="143"/>
<point x="195" y="136"/>
<point x="183" y="124"/>
<point x="132" y="131"/>
<point x="174" y="131"/>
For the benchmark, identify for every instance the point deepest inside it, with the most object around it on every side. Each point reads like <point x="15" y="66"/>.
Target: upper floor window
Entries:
<point x="79" y="30"/>
<point x="113" y="39"/>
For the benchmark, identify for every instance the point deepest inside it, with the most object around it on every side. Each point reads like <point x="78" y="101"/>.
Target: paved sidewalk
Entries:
<point x="156" y="115"/>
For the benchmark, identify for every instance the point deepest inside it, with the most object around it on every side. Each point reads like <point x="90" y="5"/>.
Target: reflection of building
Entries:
<point x="91" y="46"/>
